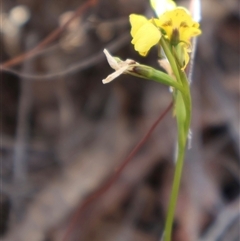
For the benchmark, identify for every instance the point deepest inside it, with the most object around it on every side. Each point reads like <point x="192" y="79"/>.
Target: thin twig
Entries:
<point x="86" y="63"/>
<point x="50" y="38"/>
<point x="98" y="193"/>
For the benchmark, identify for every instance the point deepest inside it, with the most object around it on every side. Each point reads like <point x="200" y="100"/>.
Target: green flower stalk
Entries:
<point x="172" y="32"/>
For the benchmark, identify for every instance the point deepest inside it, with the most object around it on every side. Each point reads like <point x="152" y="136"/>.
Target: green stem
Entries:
<point x="182" y="139"/>
<point x="167" y="50"/>
<point x="187" y="100"/>
<point x="183" y="129"/>
<point x="147" y="72"/>
<point x="174" y="194"/>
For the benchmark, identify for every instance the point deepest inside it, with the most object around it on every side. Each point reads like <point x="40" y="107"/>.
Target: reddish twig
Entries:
<point x="99" y="192"/>
<point x="82" y="64"/>
<point x="50" y="38"/>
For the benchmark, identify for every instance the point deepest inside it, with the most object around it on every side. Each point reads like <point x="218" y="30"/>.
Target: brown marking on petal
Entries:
<point x="168" y="23"/>
<point x="183" y="25"/>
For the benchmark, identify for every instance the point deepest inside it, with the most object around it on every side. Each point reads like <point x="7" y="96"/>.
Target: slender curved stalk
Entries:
<point x="174" y="194"/>
<point x="182" y="138"/>
<point x="167" y="51"/>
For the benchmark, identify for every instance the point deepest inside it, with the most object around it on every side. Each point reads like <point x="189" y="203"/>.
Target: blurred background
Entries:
<point x="64" y="133"/>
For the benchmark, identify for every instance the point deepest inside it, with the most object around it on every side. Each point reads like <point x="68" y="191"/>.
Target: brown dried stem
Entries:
<point x="102" y="189"/>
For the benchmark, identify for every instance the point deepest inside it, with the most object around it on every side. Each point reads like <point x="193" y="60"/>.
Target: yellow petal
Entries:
<point x="146" y="37"/>
<point x="136" y="22"/>
<point x="187" y="33"/>
<point x="162" y="6"/>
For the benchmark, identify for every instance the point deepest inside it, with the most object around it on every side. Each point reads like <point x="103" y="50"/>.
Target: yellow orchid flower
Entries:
<point x="176" y="25"/>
